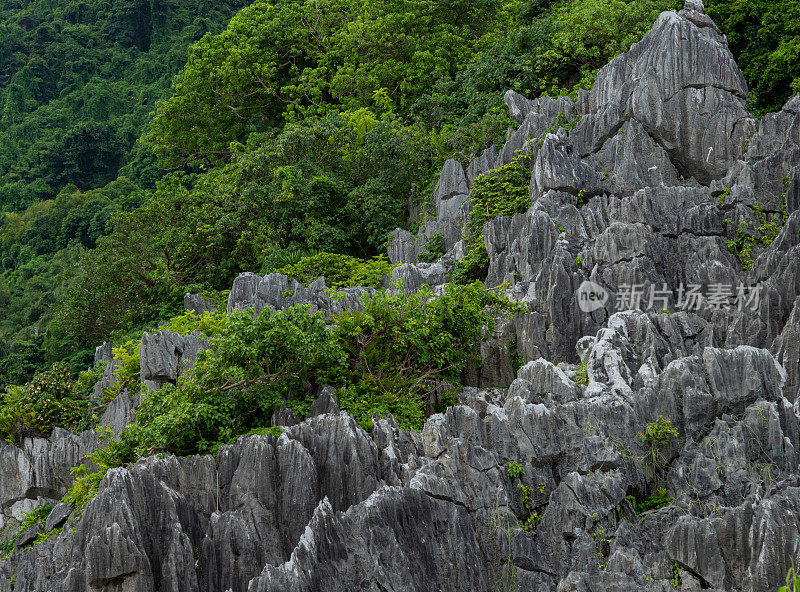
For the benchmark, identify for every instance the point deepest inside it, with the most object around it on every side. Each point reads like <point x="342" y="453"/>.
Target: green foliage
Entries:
<point x="792" y="581"/>
<point x="45" y="536"/>
<point x="389" y="357"/>
<point x="764" y="37"/>
<point x="742" y="246"/>
<point x="210" y="324"/>
<point x="657" y="434"/>
<point x="84" y="488"/>
<point x="500" y="192"/>
<point x="433" y="248"/>
<point x="675" y="581"/>
<point x="514" y="355"/>
<point x="53" y="398"/>
<point x="126" y="357"/>
<point x="582" y="372"/>
<point x="37" y="515"/>
<point x="339" y="270"/>
<point x="514" y="469"/>
<point x="769" y="227"/>
<point x="274" y="431"/>
<point x="655" y="501"/>
<point x="78" y="82"/>
<point x="87" y="481"/>
<point x="399" y="347"/>
<point x="726" y="191"/>
<point x="277" y="61"/>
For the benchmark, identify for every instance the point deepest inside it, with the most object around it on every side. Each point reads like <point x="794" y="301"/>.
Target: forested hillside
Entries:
<point x="302" y="127"/>
<point x="77" y="83"/>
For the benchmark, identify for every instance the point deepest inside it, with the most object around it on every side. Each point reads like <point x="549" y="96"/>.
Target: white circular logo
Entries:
<point x="591" y="296"/>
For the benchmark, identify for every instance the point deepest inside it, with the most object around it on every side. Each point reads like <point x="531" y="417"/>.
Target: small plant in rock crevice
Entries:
<point x="655" y="437"/>
<point x="534" y="518"/>
<point x="675" y="582"/>
<point x="514" y="469"/>
<point x="655" y="501"/>
<point x="582" y="371"/>
<point x="769" y="227"/>
<point x="433" y="249"/>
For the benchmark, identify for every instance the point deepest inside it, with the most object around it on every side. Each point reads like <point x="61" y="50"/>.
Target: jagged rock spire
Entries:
<point x="695" y="5"/>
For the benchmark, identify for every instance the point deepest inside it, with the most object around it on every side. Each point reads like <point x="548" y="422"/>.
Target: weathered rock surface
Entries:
<point x="251" y="291"/>
<point x="198" y="303"/>
<point x="41" y="466"/>
<point x="164" y="356"/>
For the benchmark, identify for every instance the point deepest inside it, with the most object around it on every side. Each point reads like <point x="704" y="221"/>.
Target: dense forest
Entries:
<point x="154" y="147"/>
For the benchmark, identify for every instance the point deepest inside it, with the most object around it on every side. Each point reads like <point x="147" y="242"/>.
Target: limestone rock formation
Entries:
<point x="640" y="444"/>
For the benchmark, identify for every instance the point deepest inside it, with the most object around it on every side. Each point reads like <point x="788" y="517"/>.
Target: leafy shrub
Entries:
<point x="742" y="246"/>
<point x="764" y="39"/>
<point x="433" y="248"/>
<point x="390" y="357"/>
<point x="209" y="324"/>
<point x="399" y="348"/>
<point x="500" y="192"/>
<point x="126" y="356"/>
<point x="53" y="398"/>
<point x="656" y="436"/>
<point x="654" y="501"/>
<point x="792" y="581"/>
<point x="37" y="515"/>
<point x="339" y="270"/>
<point x="514" y="469"/>
<point x="582" y="371"/>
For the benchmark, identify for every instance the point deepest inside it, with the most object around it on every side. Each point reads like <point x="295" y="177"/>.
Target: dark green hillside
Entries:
<point x="77" y="83"/>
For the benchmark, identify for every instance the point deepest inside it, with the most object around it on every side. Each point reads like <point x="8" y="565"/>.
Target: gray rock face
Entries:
<point x="26" y="538"/>
<point x="543" y="113"/>
<point x="163" y="356"/>
<point x="41" y="467"/>
<point x="109" y="378"/>
<point x="198" y="303"/>
<point x="786" y="349"/>
<point x="451" y="191"/>
<point x="120" y="411"/>
<point x="682" y="85"/>
<point x="103" y="353"/>
<point x="251" y="291"/>
<point x="557" y="167"/>
<point x="415" y="276"/>
<point x="58" y="515"/>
